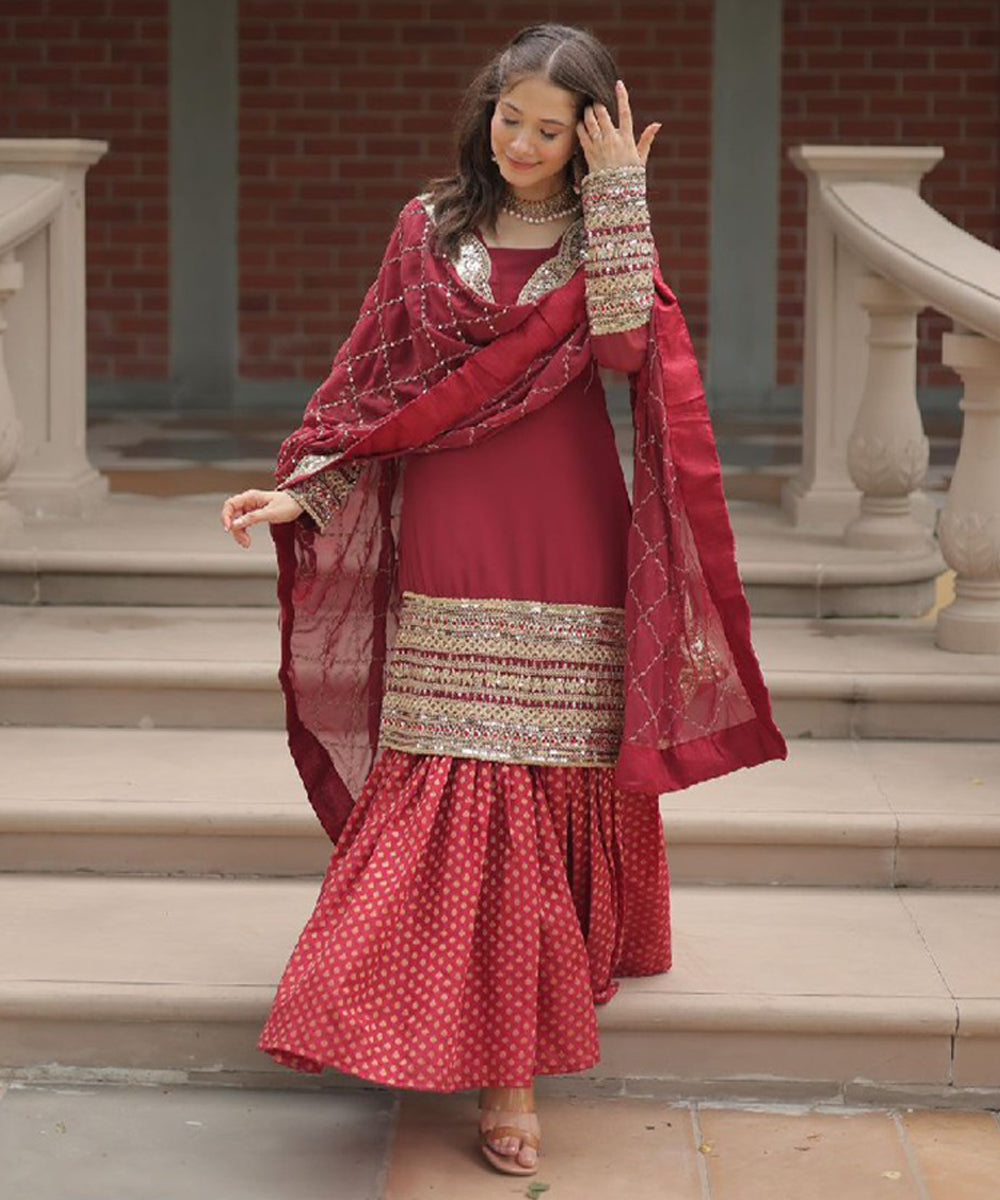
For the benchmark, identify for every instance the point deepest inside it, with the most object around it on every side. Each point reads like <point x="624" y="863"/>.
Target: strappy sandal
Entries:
<point x="512" y="1100"/>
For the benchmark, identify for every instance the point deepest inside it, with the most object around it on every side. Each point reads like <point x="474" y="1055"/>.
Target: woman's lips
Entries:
<point x="520" y="166"/>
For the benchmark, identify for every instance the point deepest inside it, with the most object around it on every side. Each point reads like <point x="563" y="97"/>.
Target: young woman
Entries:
<point x="465" y="586"/>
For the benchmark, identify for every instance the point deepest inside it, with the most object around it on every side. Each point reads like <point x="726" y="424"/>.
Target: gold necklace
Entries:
<point x="538" y="212"/>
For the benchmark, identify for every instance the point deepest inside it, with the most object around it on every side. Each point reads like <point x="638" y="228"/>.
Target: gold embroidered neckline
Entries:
<point x="474" y="258"/>
<point x="473" y="264"/>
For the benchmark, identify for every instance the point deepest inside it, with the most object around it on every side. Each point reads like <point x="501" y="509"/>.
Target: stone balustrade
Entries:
<point x="876" y="255"/>
<point x="44" y="468"/>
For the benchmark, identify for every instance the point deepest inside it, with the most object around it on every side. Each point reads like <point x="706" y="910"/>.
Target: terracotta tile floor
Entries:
<point x="646" y="1149"/>
<point x="94" y="1141"/>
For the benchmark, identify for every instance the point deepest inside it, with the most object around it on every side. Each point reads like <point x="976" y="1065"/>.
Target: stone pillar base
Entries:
<point x="816" y="507"/>
<point x="834" y="508"/>
<point x="971" y="623"/>
<point x="62" y="494"/>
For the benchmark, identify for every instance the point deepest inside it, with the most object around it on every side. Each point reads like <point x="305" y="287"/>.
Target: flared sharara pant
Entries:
<point x="472" y="915"/>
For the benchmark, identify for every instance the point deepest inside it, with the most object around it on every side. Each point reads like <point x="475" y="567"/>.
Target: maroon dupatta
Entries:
<point x="432" y="364"/>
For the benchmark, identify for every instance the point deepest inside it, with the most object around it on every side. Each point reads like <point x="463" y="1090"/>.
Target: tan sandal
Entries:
<point x="511" y="1100"/>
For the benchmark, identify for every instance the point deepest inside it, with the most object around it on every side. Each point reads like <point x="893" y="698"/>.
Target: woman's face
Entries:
<point x="533" y="135"/>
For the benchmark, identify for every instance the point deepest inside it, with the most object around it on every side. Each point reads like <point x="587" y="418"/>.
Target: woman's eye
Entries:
<point x="548" y="136"/>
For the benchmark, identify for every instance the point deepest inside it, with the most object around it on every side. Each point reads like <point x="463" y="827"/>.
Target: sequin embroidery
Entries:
<point x="507" y="680"/>
<point x="474" y="267"/>
<point x="620" y="249"/>
<point x="321" y="487"/>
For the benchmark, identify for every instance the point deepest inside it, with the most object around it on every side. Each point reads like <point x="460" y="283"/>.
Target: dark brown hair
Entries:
<point x="567" y="57"/>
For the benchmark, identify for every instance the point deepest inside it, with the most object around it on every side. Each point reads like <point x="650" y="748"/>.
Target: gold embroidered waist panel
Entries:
<point x="507" y="680"/>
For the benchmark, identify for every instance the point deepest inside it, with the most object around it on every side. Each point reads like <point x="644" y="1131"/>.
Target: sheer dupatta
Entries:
<point x="431" y="364"/>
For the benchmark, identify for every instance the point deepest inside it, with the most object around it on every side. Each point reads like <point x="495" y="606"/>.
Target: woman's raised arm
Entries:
<point x="621" y="253"/>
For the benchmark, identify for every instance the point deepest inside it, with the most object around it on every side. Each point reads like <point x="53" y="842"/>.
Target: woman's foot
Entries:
<point x="509" y="1130"/>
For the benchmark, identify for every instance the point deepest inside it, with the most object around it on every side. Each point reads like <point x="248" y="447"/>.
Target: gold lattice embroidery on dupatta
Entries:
<point x="507" y="680"/>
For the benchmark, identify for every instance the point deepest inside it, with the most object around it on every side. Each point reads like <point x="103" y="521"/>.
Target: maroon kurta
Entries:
<point x="538" y="512"/>
<point x="473" y="912"/>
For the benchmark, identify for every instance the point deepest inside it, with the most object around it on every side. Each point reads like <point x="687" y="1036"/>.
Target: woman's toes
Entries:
<point x="528" y="1156"/>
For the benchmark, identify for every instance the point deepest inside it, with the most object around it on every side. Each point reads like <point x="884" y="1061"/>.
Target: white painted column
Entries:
<point x="53" y="476"/>
<point x="969" y="526"/>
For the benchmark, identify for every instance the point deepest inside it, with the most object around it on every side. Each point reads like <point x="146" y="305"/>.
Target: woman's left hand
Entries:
<point x="604" y="145"/>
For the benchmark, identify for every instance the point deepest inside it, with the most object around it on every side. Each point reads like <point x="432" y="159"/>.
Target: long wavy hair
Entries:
<point x="563" y="55"/>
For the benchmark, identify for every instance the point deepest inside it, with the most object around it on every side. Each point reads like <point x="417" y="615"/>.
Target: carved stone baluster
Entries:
<point x="887" y="452"/>
<point x="969" y="526"/>
<point x="11" y="279"/>
<point x="821" y="496"/>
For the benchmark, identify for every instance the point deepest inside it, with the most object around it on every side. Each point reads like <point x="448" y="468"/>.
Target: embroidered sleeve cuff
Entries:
<point x="620" y="249"/>
<point x="323" y="494"/>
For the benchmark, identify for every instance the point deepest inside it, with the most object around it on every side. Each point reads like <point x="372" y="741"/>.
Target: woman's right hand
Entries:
<point x="251" y="507"/>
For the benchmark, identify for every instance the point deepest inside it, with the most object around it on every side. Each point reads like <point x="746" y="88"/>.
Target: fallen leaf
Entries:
<point x="60" y="1127"/>
<point x="802" y="1147"/>
<point x="892" y="1174"/>
<point x="650" y="1126"/>
<point x="535" y="1190"/>
<point x="811" y="1137"/>
<point x="705" y="1148"/>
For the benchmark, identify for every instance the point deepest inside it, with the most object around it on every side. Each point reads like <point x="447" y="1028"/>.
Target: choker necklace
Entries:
<point x="537" y="212"/>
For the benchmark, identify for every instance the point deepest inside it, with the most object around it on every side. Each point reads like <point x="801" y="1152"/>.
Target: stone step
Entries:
<point x="781" y="991"/>
<point x="229" y="802"/>
<point x="791" y="572"/>
<point x="865" y="812"/>
<point x="138" y="550"/>
<point x="197" y="667"/>
<point x="136" y="577"/>
<point x="147" y="666"/>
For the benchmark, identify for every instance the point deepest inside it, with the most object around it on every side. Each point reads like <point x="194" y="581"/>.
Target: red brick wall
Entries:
<point x="904" y="72"/>
<point x="98" y="69"/>
<point x="345" y="112"/>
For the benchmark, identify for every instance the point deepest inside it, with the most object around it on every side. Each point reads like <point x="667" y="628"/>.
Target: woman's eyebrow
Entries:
<point x="544" y="120"/>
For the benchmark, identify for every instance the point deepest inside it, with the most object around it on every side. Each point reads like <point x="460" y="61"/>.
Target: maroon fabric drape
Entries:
<point x="431" y="365"/>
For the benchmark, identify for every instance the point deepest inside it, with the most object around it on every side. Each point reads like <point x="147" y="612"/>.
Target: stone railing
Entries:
<point x="43" y="405"/>
<point x="876" y="255"/>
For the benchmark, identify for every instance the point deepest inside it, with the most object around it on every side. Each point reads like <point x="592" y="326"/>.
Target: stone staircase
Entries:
<point x="836" y="917"/>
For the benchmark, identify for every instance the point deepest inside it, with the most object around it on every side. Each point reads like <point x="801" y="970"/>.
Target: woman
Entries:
<point x="465" y="586"/>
